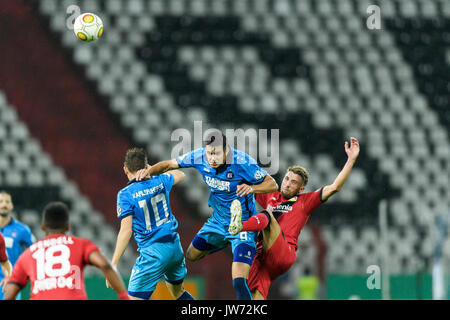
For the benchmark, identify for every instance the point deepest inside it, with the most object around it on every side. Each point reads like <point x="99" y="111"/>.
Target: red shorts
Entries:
<point x="269" y="265"/>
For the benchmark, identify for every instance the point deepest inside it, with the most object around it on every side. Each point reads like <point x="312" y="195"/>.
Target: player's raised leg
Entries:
<point x="242" y="255"/>
<point x="209" y="239"/>
<point x="236" y="217"/>
<point x="271" y="232"/>
<point x="194" y="254"/>
<point x="264" y="221"/>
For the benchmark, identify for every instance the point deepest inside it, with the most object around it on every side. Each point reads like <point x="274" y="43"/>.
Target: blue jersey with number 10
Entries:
<point x="148" y="202"/>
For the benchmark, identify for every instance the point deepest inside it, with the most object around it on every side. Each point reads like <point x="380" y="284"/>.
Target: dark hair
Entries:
<point x="216" y="138"/>
<point x="135" y="159"/>
<point x="56" y="216"/>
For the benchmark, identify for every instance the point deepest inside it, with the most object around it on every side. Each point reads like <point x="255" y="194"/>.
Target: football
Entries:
<point x="88" y="27"/>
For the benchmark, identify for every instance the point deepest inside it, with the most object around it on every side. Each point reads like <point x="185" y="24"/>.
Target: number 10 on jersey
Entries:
<point x="156" y="214"/>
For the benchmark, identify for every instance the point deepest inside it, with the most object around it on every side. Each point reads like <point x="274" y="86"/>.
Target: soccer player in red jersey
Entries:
<point x="4" y="262"/>
<point x="286" y="213"/>
<point x="55" y="264"/>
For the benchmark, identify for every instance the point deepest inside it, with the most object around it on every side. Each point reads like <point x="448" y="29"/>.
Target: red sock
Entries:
<point x="256" y="223"/>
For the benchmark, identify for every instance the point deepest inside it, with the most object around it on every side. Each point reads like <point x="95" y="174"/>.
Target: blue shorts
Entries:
<point x="214" y="236"/>
<point x="155" y="261"/>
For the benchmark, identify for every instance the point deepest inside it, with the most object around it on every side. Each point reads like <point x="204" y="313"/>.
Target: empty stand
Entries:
<point x="309" y="68"/>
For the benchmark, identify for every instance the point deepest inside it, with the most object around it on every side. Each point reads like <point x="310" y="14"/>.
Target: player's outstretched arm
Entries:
<point x="111" y="275"/>
<point x="178" y="176"/>
<point x="157" y="168"/>
<point x="6" y="270"/>
<point x="123" y="238"/>
<point x="352" y="153"/>
<point x="11" y="290"/>
<point x="268" y="185"/>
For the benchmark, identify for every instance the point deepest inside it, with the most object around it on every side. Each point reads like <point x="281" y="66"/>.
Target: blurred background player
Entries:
<point x="5" y="264"/>
<point x="144" y="207"/>
<point x="286" y="213"/>
<point x="55" y="264"/>
<point x="17" y="235"/>
<point x="231" y="176"/>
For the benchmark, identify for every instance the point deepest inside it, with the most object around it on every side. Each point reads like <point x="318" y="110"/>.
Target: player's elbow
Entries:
<point x="335" y="188"/>
<point x="104" y="265"/>
<point x="98" y="260"/>
<point x="179" y="176"/>
<point x="273" y="186"/>
<point x="125" y="234"/>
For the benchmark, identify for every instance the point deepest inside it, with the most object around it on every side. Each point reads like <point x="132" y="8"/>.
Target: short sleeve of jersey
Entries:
<point x="251" y="171"/>
<point x="3" y="254"/>
<point x="19" y="275"/>
<point x="312" y="200"/>
<point x="124" y="204"/>
<point x="88" y="248"/>
<point x="168" y="180"/>
<point x="190" y="159"/>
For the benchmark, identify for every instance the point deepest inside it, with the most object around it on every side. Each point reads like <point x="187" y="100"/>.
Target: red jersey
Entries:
<point x="54" y="265"/>
<point x="3" y="254"/>
<point x="291" y="214"/>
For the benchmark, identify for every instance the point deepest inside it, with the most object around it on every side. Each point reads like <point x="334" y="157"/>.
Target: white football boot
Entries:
<point x="236" y="217"/>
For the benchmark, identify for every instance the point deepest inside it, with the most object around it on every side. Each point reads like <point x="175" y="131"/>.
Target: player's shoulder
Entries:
<point x="196" y="153"/>
<point x="196" y="157"/>
<point x="242" y="162"/>
<point x="269" y="196"/>
<point x="242" y="156"/>
<point x="20" y="226"/>
<point x="154" y="181"/>
<point x="76" y="241"/>
<point x="125" y="191"/>
<point x="165" y="176"/>
<point x="198" y="150"/>
<point x="265" y="198"/>
<point x="307" y="195"/>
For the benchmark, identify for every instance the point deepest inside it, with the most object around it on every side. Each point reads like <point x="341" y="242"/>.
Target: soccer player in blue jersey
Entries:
<point x="232" y="177"/>
<point x="144" y="209"/>
<point x="17" y="235"/>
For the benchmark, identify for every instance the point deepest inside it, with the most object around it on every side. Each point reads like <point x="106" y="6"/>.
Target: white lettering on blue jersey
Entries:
<point x="146" y="192"/>
<point x="148" y="202"/>
<point x="217" y="184"/>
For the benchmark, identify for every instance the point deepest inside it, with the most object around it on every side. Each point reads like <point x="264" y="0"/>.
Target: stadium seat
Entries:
<point x="183" y="67"/>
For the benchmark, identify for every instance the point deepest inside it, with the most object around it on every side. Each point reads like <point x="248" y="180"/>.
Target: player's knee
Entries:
<point x="192" y="254"/>
<point x="176" y="289"/>
<point x="198" y="249"/>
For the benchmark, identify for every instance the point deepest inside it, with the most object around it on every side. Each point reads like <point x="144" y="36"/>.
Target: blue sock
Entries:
<point x="241" y="287"/>
<point x="186" y="296"/>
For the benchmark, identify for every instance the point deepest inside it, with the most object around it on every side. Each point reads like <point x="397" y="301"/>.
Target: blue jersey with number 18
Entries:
<point x="148" y="202"/>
